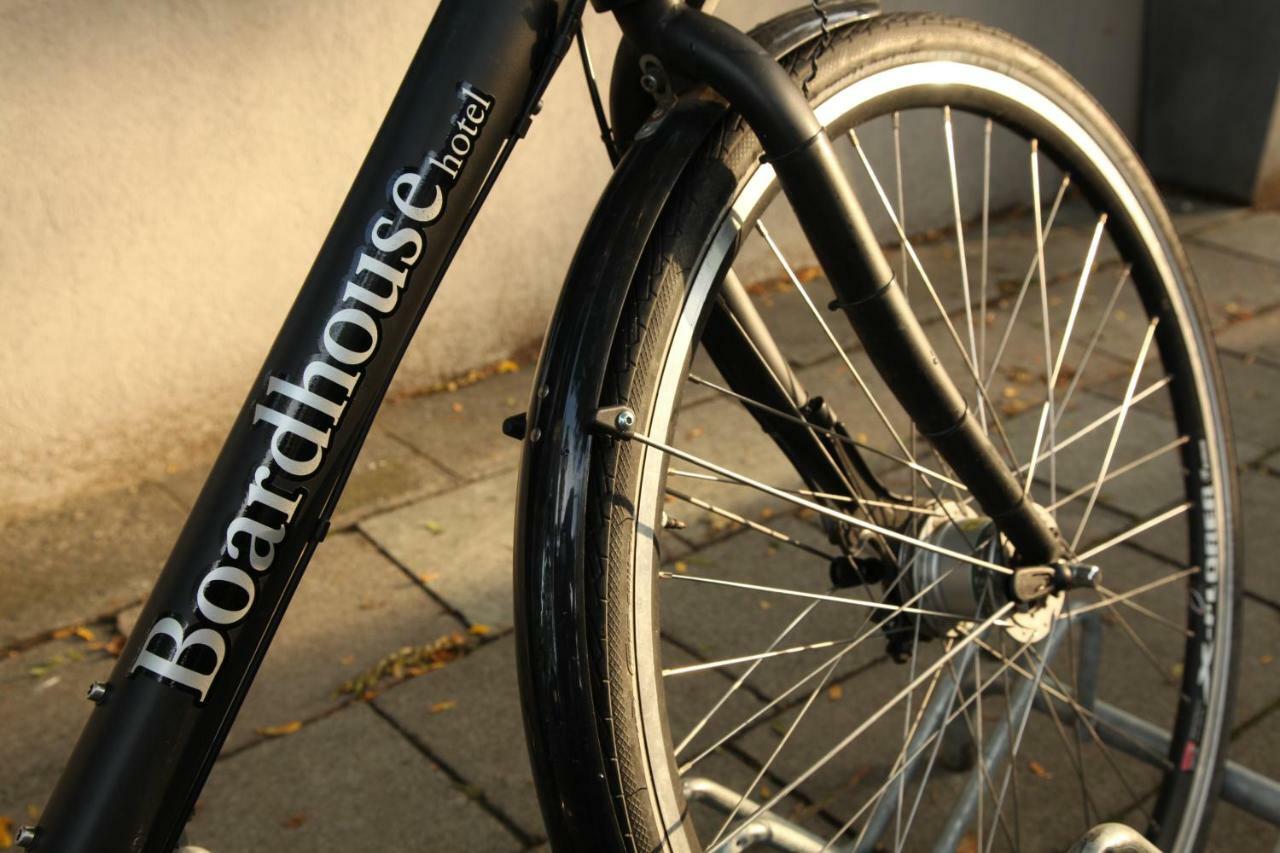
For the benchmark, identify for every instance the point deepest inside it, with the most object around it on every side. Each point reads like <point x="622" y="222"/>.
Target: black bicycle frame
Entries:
<point x="469" y="94"/>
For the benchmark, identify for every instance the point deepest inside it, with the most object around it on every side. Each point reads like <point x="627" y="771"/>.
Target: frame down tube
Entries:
<point x="143" y="756"/>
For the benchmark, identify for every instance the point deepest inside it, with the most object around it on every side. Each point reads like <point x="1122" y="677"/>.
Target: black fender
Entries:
<point x="552" y="657"/>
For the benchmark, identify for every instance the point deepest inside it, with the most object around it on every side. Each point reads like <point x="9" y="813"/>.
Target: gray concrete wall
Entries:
<point x="171" y="166"/>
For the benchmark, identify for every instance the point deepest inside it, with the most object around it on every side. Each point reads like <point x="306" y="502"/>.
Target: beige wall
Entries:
<point x="169" y="168"/>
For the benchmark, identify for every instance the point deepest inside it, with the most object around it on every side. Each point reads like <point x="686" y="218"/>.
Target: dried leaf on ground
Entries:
<point x="480" y="630"/>
<point x="968" y="844"/>
<point x="835" y="692"/>
<point x="6" y="833"/>
<point x="408" y="662"/>
<point x="1039" y="769"/>
<point x="281" y="730"/>
<point x="441" y="707"/>
<point x="294" y="821"/>
<point x="433" y="527"/>
<point x="508" y="366"/>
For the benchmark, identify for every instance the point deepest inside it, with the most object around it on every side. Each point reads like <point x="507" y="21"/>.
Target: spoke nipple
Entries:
<point x="26" y="837"/>
<point x="97" y="693"/>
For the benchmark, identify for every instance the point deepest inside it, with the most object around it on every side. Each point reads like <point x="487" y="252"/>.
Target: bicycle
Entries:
<point x="952" y="549"/>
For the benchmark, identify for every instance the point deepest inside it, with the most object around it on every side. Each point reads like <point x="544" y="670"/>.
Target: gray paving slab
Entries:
<point x="353" y="608"/>
<point x="1253" y="391"/>
<point x="1257" y="748"/>
<point x="1192" y="215"/>
<point x="387" y="472"/>
<point x="462" y="430"/>
<point x="468" y="715"/>
<point x="1234" y="287"/>
<point x="43" y="706"/>
<point x="1260" y="494"/>
<point x="459" y="545"/>
<point x="1254" y="234"/>
<point x="1258" y="338"/>
<point x="349" y="781"/>
<point x="93" y="555"/>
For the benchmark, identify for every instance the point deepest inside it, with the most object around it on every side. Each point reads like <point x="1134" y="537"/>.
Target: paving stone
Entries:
<point x="1192" y="215"/>
<point x="462" y="430"/>
<point x="91" y="556"/>
<point x="480" y="736"/>
<point x="1258" y="338"/>
<point x="459" y="544"/>
<point x="1253" y="391"/>
<point x="1254" y="234"/>
<point x="1260" y="495"/>
<point x="353" y="608"/>
<point x="1234" y="288"/>
<point x="43" y="715"/>
<point x="1257" y="748"/>
<point x="349" y="780"/>
<point x="387" y="472"/>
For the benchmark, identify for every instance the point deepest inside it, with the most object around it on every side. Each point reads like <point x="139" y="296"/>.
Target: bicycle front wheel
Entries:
<point x="778" y="660"/>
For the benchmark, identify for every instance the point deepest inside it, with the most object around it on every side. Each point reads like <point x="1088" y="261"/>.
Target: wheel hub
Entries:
<point x="948" y="584"/>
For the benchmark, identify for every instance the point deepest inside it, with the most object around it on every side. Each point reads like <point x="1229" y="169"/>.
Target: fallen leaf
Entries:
<point x="764" y="605"/>
<point x="347" y="659"/>
<point x="682" y="566"/>
<point x="61" y="633"/>
<point x="835" y="692"/>
<point x="281" y="730"/>
<point x="765" y="792"/>
<point x="428" y="577"/>
<point x="1039" y="769"/>
<point x="1265" y="659"/>
<point x="968" y="843"/>
<point x="440" y="707"/>
<point x="457" y="408"/>
<point x="294" y="821"/>
<point x="696" y="432"/>
<point x="115" y="645"/>
<point x="480" y="630"/>
<point x="508" y="366"/>
<point x="6" y="833"/>
<point x="767" y="512"/>
<point x="433" y="527"/>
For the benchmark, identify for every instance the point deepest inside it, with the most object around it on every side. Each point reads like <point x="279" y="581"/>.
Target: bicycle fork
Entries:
<point x="703" y="48"/>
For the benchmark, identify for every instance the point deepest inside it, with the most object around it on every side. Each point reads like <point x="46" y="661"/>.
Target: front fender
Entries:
<point x="552" y="657"/>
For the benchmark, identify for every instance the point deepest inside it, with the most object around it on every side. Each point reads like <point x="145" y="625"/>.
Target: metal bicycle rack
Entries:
<point x="1241" y="787"/>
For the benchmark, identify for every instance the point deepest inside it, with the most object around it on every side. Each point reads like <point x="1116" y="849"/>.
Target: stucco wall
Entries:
<point x="171" y="166"/>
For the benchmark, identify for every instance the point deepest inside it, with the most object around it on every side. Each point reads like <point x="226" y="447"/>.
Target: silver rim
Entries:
<point x="980" y="347"/>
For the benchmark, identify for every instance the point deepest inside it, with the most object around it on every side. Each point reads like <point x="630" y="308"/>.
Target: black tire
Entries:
<point x="634" y="749"/>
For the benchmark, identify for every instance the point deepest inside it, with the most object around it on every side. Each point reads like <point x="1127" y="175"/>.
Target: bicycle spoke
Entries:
<point x="1093" y="340"/>
<point x="1123" y="469"/>
<point x="1115" y="432"/>
<point x="1128" y="594"/>
<point x="968" y="638"/>
<point x="955" y="208"/>
<point x="752" y="525"/>
<point x="1135" y="530"/>
<point x="937" y="301"/>
<point x="815" y="596"/>
<point x="909" y="463"/>
<point x="1026" y="282"/>
<point x="740" y="680"/>
<point x="817" y="507"/>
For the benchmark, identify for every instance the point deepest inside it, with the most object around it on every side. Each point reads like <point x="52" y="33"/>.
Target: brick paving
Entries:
<point x="421" y="545"/>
